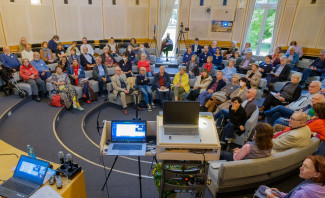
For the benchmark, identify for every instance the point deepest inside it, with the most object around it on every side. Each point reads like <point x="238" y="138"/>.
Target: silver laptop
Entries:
<point x="128" y="137"/>
<point x="28" y="178"/>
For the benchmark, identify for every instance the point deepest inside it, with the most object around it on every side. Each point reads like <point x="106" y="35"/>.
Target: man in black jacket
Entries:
<point x="161" y="83"/>
<point x="280" y="73"/>
<point x="87" y="60"/>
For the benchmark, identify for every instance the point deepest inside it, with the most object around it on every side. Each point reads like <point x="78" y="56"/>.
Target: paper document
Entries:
<point x="84" y="79"/>
<point x="165" y="90"/>
<point x="46" y="191"/>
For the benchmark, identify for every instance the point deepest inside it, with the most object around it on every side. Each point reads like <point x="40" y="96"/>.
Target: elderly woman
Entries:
<point x="231" y="50"/>
<point x="213" y="48"/>
<point x="64" y="63"/>
<point x="125" y="65"/>
<point x="276" y="56"/>
<point x="113" y="47"/>
<point x="201" y="84"/>
<point x="266" y="66"/>
<point x="298" y="48"/>
<point x="208" y="65"/>
<point x="107" y="58"/>
<point x="192" y="67"/>
<point x="146" y="64"/>
<point x="180" y="84"/>
<point x="67" y="92"/>
<point x="237" y="58"/>
<point x="131" y="54"/>
<point x="260" y="147"/>
<point x="289" y="93"/>
<point x="73" y="55"/>
<point x="229" y="71"/>
<point x="217" y="59"/>
<point x="246" y="49"/>
<point x="293" y="58"/>
<point x="73" y="45"/>
<point x="60" y="51"/>
<point x="30" y="75"/>
<point x="134" y="46"/>
<point x="142" y="82"/>
<point x="77" y="73"/>
<point x="46" y="53"/>
<point x="313" y="173"/>
<point x="22" y="44"/>
<point x="254" y="77"/>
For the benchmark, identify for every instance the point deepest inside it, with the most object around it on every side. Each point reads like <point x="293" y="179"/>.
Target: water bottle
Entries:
<point x="28" y="150"/>
<point x="32" y="154"/>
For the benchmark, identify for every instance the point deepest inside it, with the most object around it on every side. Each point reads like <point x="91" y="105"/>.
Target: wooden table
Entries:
<point x="74" y="189"/>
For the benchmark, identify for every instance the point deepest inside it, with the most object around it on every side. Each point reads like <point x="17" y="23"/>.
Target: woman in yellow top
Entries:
<point x="180" y="84"/>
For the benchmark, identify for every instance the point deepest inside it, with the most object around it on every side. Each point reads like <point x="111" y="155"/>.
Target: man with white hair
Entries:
<point x="9" y="60"/>
<point x="317" y="68"/>
<point x="40" y="66"/>
<point x="293" y="58"/>
<point x="280" y="73"/>
<point x="296" y="135"/>
<point x="161" y="83"/>
<point x="298" y="49"/>
<point x="246" y="63"/>
<point x="87" y="60"/>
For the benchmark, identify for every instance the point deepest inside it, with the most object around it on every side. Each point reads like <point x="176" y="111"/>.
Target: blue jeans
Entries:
<point x="277" y="112"/>
<point x="223" y="113"/>
<point x="101" y="84"/>
<point x="270" y="78"/>
<point x="224" y="155"/>
<point x="86" y="90"/>
<point x="308" y="72"/>
<point x="293" y="67"/>
<point x="147" y="93"/>
<point x="46" y="76"/>
<point x="203" y="97"/>
<point x="282" y="121"/>
<point x="149" y="74"/>
<point x="321" y="149"/>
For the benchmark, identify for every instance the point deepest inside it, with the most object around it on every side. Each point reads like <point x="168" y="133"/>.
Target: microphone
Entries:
<point x="69" y="161"/>
<point x="62" y="162"/>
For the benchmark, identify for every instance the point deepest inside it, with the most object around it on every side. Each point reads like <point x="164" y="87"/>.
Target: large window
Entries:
<point x="261" y="29"/>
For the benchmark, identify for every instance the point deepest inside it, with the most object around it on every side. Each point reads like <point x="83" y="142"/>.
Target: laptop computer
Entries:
<point x="181" y="121"/>
<point x="128" y="137"/>
<point x="28" y="178"/>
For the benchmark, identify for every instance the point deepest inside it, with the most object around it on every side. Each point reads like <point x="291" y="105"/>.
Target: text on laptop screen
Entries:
<point x="31" y="169"/>
<point x="129" y="131"/>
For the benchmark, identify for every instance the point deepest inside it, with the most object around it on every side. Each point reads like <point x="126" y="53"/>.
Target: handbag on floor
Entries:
<point x="56" y="101"/>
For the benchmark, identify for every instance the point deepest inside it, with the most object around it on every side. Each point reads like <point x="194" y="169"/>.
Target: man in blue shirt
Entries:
<point x="53" y="43"/>
<point x="196" y="48"/>
<point x="9" y="60"/>
<point x="317" y="68"/>
<point x="42" y="68"/>
<point x="187" y="55"/>
<point x="101" y="75"/>
<point x="204" y="55"/>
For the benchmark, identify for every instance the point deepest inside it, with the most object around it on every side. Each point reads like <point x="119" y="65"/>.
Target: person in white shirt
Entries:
<point x="90" y="48"/>
<point x="27" y="53"/>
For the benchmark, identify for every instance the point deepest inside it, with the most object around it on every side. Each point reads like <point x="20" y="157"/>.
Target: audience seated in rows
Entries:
<point x="46" y="53"/>
<point x="167" y="45"/>
<point x="217" y="59"/>
<point x="229" y="53"/>
<point x="298" y="48"/>
<point x="246" y="63"/>
<point x="121" y="87"/>
<point x="317" y="68"/>
<point x="302" y="103"/>
<point x="293" y="58"/>
<point x="280" y="73"/>
<point x="313" y="173"/>
<point x="276" y="56"/>
<point x="134" y="46"/>
<point x="73" y="45"/>
<point x="9" y="60"/>
<point x="27" y="53"/>
<point x="246" y="49"/>
<point x="73" y="55"/>
<point x="125" y="65"/>
<point x="216" y="85"/>
<point x="208" y="65"/>
<point x="60" y="51"/>
<point x="87" y="60"/>
<point x="113" y="47"/>
<point x="53" y="43"/>
<point x="213" y="48"/>
<point x="196" y="48"/>
<point x="229" y="71"/>
<point x="142" y="83"/>
<point x="254" y="77"/>
<point x="259" y="147"/>
<point x="180" y="84"/>
<point x="290" y="92"/>
<point x="78" y="77"/>
<point x="131" y="54"/>
<point x="266" y="66"/>
<point x="187" y="56"/>
<point x="89" y="47"/>
<point x="22" y="44"/>
<point x="30" y="75"/>
<point x="43" y="70"/>
<point x="64" y="63"/>
<point x="204" y="55"/>
<point x="101" y="75"/>
<point x="161" y="83"/>
<point x="107" y="58"/>
<point x="201" y="84"/>
<point x="67" y="92"/>
<point x="143" y="50"/>
<point x="145" y="63"/>
<point x="192" y="67"/>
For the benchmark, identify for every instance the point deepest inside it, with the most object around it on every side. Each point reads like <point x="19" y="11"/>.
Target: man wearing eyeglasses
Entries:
<point x="296" y="135"/>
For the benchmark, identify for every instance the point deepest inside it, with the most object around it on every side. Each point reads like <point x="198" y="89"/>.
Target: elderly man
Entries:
<point x="298" y="49"/>
<point x="43" y="70"/>
<point x="101" y="75"/>
<point x="187" y="56"/>
<point x="303" y="103"/>
<point x="87" y="60"/>
<point x="280" y="73"/>
<point x="121" y="88"/>
<point x="204" y="55"/>
<point x="9" y="60"/>
<point x="27" y="53"/>
<point x="293" y="58"/>
<point x="89" y="47"/>
<point x="142" y="50"/>
<point x="196" y="48"/>
<point x="246" y="63"/>
<point x="317" y="68"/>
<point x="296" y="135"/>
<point x="161" y="83"/>
<point x="216" y="85"/>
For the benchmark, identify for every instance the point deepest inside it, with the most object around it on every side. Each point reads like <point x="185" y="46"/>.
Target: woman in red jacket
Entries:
<point x="146" y="64"/>
<point x="317" y="125"/>
<point x="30" y="75"/>
<point x="208" y="65"/>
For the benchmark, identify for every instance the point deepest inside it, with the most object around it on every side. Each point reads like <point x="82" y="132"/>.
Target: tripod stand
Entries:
<point x="154" y="40"/>
<point x="180" y="37"/>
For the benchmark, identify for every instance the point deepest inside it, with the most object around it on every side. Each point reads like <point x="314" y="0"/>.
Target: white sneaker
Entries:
<point x="153" y="105"/>
<point x="149" y="108"/>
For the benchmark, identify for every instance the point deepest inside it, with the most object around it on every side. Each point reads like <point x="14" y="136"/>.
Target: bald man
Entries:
<point x="9" y="60"/>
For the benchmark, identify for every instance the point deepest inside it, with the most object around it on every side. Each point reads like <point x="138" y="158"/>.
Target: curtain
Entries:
<point x="165" y="11"/>
<point x="278" y="13"/>
<point x="249" y="16"/>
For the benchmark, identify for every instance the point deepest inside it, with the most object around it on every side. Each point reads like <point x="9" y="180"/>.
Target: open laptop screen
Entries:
<point x="31" y="169"/>
<point x="128" y="131"/>
<point x="181" y="113"/>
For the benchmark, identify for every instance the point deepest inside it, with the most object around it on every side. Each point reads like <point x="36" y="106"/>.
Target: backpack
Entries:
<point x="56" y="100"/>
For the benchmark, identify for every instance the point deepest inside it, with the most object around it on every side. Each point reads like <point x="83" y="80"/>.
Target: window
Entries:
<point x="261" y="29"/>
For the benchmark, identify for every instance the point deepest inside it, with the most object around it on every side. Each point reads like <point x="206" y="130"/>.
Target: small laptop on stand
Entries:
<point x="128" y="138"/>
<point x="28" y="177"/>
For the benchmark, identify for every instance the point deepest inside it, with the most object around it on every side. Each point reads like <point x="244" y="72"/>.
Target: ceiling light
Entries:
<point x="36" y="2"/>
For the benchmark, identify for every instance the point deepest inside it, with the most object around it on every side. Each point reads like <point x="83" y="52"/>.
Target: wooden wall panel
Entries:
<point x="91" y="23"/>
<point x="284" y="30"/>
<point x="321" y="37"/>
<point x="139" y="26"/>
<point x="238" y="25"/>
<point x="2" y="38"/>
<point x="114" y="20"/>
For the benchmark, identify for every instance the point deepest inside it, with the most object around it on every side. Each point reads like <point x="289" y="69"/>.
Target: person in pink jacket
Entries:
<point x="30" y="75"/>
